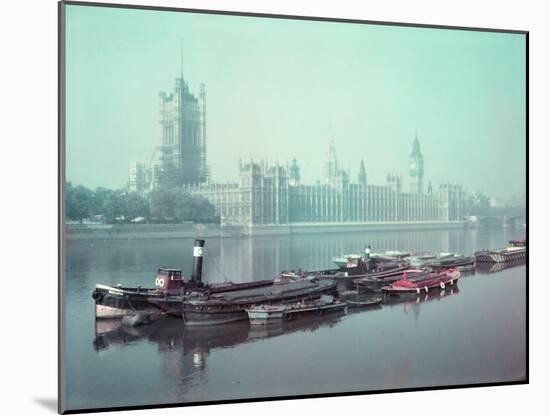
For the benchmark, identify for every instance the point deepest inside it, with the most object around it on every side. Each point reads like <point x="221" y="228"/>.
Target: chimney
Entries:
<point x="197" y="261"/>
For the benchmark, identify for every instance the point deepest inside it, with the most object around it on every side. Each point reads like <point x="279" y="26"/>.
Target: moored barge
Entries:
<point x="232" y="306"/>
<point x="442" y="260"/>
<point x="423" y="283"/>
<point x="360" y="268"/>
<point x="412" y="298"/>
<point x="374" y="283"/>
<point x="456" y="261"/>
<point x="508" y="254"/>
<point x="492" y="267"/>
<point x="371" y="302"/>
<point x="264" y="314"/>
<point x="117" y="302"/>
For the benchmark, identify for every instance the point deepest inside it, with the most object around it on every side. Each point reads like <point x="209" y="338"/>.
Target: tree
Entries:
<point x="136" y="206"/>
<point x="184" y="207"/>
<point x="77" y="202"/>
<point x="204" y="211"/>
<point x="179" y="204"/>
<point x="114" y="206"/>
<point x="162" y="204"/>
<point x="100" y="196"/>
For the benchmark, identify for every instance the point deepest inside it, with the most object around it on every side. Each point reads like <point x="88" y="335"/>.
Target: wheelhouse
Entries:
<point x="169" y="280"/>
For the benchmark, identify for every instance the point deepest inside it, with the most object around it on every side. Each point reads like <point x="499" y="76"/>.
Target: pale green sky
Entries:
<point x="276" y="88"/>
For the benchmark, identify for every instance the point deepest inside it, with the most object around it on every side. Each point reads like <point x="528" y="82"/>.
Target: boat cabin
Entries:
<point x="354" y="262"/>
<point x="169" y="280"/>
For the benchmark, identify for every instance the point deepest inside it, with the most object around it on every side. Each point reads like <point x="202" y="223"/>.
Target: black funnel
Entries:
<point x="197" y="261"/>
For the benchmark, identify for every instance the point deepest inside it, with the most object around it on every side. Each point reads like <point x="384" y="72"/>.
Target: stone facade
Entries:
<point x="273" y="195"/>
<point x="182" y="149"/>
<point x="138" y="177"/>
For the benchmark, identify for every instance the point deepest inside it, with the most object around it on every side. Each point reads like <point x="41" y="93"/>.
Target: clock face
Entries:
<point x="413" y="167"/>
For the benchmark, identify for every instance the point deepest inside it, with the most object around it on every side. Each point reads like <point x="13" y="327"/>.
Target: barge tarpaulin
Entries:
<point x="231" y="306"/>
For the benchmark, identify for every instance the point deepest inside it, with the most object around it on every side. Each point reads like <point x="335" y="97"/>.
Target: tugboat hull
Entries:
<point x="103" y="311"/>
<point x="111" y="302"/>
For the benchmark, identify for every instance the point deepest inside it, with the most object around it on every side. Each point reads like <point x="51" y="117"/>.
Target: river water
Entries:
<point x="474" y="334"/>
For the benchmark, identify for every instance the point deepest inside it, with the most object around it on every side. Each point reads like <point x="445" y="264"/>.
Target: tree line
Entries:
<point x="120" y="206"/>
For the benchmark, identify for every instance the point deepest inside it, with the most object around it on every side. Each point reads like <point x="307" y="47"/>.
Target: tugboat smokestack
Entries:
<point x="198" y="250"/>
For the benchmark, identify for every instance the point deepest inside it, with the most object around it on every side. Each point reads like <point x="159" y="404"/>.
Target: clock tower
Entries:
<point x="416" y="168"/>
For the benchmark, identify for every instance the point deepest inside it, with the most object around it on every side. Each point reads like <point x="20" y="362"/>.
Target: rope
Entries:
<point x="220" y="271"/>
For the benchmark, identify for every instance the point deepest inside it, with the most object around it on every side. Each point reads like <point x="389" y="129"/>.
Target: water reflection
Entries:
<point x="170" y="333"/>
<point x="186" y="350"/>
<point x="194" y="343"/>
<point x="167" y="362"/>
<point x="413" y="302"/>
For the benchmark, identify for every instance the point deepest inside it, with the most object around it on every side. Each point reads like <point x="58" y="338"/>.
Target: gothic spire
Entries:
<point x="362" y="179"/>
<point x="416" y="148"/>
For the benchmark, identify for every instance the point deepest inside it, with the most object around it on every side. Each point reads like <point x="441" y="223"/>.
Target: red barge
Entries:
<point x="426" y="282"/>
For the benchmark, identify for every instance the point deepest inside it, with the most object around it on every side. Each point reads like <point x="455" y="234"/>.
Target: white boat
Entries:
<point x="342" y="261"/>
<point x="325" y="304"/>
<point x="396" y="254"/>
<point x="428" y="258"/>
<point x="419" y="260"/>
<point x="265" y="314"/>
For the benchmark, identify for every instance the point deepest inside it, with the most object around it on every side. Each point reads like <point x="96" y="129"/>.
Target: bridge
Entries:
<point x="506" y="216"/>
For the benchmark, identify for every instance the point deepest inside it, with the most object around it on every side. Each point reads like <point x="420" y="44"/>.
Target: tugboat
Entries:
<point x="358" y="267"/>
<point x="168" y="294"/>
<point x="342" y="261"/>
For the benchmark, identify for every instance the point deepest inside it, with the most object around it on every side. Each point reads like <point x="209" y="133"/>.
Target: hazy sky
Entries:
<point x="278" y="89"/>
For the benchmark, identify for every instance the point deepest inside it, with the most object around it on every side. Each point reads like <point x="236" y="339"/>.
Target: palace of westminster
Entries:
<point x="273" y="194"/>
